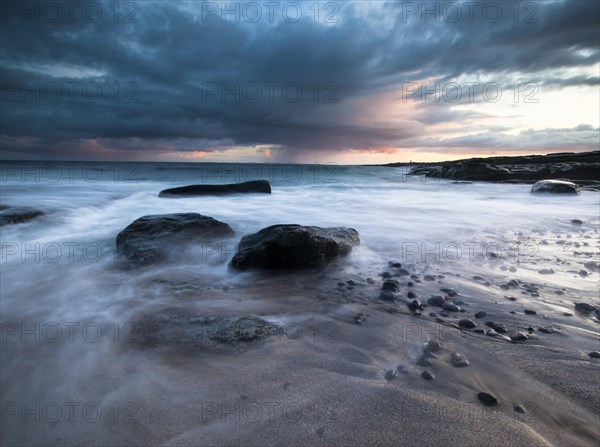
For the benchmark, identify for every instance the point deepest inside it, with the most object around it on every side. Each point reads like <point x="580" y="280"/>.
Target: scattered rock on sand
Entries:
<point x="594" y="354"/>
<point x="294" y="247"/>
<point x="148" y="240"/>
<point x="450" y="307"/>
<point x="584" y="307"/>
<point x="427" y="375"/>
<point x="391" y="284"/>
<point x="467" y="323"/>
<point x="436" y="300"/>
<point x="391" y="374"/>
<point x="480" y="314"/>
<point x="458" y="360"/>
<point x="487" y="399"/>
<point x="386" y="295"/>
<point x="555" y="187"/>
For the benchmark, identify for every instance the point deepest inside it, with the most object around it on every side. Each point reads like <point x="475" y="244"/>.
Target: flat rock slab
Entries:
<point x="192" y="332"/>
<point x="255" y="186"/>
<point x="149" y="239"/>
<point x="555" y="187"/>
<point x="15" y="215"/>
<point x="294" y="247"/>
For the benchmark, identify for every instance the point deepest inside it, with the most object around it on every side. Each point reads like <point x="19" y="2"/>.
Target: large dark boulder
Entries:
<point x="260" y="186"/>
<point x="15" y="215"/>
<point x="555" y="187"/>
<point x="293" y="247"/>
<point x="150" y="239"/>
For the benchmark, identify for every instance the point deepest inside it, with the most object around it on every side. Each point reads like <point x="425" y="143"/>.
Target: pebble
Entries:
<point x="480" y="314"/>
<point x="584" y="307"/>
<point x="546" y="330"/>
<point x="450" y="307"/>
<point x="519" y="336"/>
<point x="391" y="285"/>
<point x="458" y="302"/>
<point x="546" y="271"/>
<point x="513" y="283"/>
<point x="424" y="360"/>
<point x="433" y="346"/>
<point x="592" y="266"/>
<point x="594" y="354"/>
<point x="370" y="281"/>
<point x="519" y="409"/>
<point x="403" y="272"/>
<point x="395" y="265"/>
<point x="411" y="294"/>
<point x="576" y="222"/>
<point x="458" y="360"/>
<point x="360" y="318"/>
<point x="391" y="374"/>
<point x="583" y="273"/>
<point x="410" y="283"/>
<point x="512" y="269"/>
<point x="443" y="313"/>
<point x="402" y="369"/>
<point x="414" y="305"/>
<point x="386" y="295"/>
<point x="530" y="312"/>
<point x="432" y="314"/>
<point x="436" y="300"/>
<point x="466" y="323"/>
<point x="429" y="277"/>
<point x="351" y="282"/>
<point x="427" y="375"/>
<point x="487" y="399"/>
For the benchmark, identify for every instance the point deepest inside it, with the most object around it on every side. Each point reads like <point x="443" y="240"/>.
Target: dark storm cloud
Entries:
<point x="160" y="82"/>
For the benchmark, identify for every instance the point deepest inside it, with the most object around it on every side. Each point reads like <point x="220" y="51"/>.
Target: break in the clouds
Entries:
<point x="297" y="81"/>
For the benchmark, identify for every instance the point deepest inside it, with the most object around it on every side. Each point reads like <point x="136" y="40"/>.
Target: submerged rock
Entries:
<point x="467" y="323"/>
<point x="180" y="329"/>
<point x="260" y="186"/>
<point x="391" y="285"/>
<point x="555" y="187"/>
<point x="427" y="375"/>
<point x="149" y="239"/>
<point x="487" y="399"/>
<point x="458" y="360"/>
<point x="16" y="215"/>
<point x="294" y="247"/>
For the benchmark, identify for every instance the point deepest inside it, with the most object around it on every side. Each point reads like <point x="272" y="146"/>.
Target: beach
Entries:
<point x="97" y="352"/>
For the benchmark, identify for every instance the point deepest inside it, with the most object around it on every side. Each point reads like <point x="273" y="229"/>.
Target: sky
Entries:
<point x="350" y="82"/>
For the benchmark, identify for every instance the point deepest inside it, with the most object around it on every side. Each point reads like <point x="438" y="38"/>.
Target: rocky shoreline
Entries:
<point x="581" y="168"/>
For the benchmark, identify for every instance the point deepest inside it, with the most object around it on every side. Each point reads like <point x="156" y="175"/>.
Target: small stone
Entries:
<point x="436" y="300"/>
<point x="576" y="222"/>
<point x="351" y="282"/>
<point x="370" y="281"/>
<point x="414" y="305"/>
<point x="584" y="307"/>
<point x="429" y="277"/>
<point x="433" y="346"/>
<point x="402" y="369"/>
<point x="410" y="283"/>
<point x="546" y="330"/>
<point x="443" y="313"/>
<point x="512" y="269"/>
<point x="487" y="399"/>
<point x="450" y="307"/>
<point x="386" y="295"/>
<point x="391" y="374"/>
<point x="411" y="294"/>
<point x="513" y="283"/>
<point x="594" y="354"/>
<point x="530" y="312"/>
<point x="424" y="360"/>
<point x="467" y="324"/>
<point x="546" y="271"/>
<point x="519" y="336"/>
<point x="500" y="328"/>
<point x="480" y="314"/>
<point x="592" y="266"/>
<point x="395" y="265"/>
<point x="320" y="431"/>
<point x="427" y="375"/>
<point x="341" y="284"/>
<point x="432" y="314"/>
<point x="386" y="275"/>
<point x="583" y="273"/>
<point x="519" y="409"/>
<point x="391" y="285"/>
<point x="458" y="360"/>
